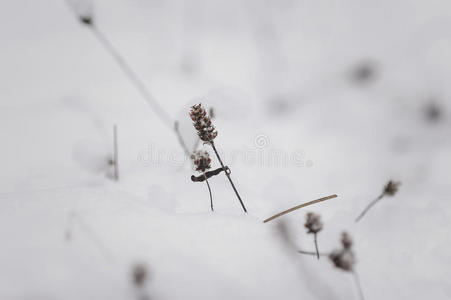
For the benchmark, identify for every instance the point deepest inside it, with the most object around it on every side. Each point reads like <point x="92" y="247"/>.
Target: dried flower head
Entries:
<point x="202" y="123"/>
<point x="84" y="9"/>
<point x="391" y="188"/>
<point x="201" y="160"/>
<point x="87" y="20"/>
<point x="344" y="258"/>
<point x="313" y="223"/>
<point x="346" y="240"/>
<point x="139" y="274"/>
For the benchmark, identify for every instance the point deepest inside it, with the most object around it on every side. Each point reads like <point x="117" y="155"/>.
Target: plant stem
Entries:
<point x="209" y="190"/>
<point x="368" y="207"/>
<point x="316" y="245"/>
<point x="228" y="176"/>
<point x="132" y="76"/>
<point x="181" y="141"/>
<point x="299" y="206"/>
<point x="359" y="286"/>
<point x="116" y="154"/>
<point x="312" y="253"/>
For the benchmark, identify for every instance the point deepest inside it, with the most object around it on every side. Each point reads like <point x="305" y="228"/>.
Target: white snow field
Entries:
<point x="311" y="98"/>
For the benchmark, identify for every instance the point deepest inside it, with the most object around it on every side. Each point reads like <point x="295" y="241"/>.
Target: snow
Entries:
<point x="293" y="126"/>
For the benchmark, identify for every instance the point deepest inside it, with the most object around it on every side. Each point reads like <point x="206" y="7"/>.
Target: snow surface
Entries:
<point x="293" y="126"/>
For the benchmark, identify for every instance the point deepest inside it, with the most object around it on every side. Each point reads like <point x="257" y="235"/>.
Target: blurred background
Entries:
<point x="310" y="98"/>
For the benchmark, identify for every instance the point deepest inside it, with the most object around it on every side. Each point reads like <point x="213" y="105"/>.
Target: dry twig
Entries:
<point x="298" y="207"/>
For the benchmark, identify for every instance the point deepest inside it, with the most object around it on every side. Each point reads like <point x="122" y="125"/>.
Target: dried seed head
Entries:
<point x="313" y="223"/>
<point x="201" y="160"/>
<point x="202" y="123"/>
<point x="139" y="274"/>
<point x="87" y="20"/>
<point x="346" y="240"/>
<point x="344" y="258"/>
<point x="84" y="9"/>
<point x="391" y="188"/>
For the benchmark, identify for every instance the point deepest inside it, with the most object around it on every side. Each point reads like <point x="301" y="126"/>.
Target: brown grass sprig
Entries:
<point x="298" y="207"/>
<point x="390" y="189"/>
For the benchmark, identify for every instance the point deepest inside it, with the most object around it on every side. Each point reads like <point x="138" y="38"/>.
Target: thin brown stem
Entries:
<point x="313" y="253"/>
<point x="358" y="285"/>
<point x="369" y="206"/>
<point x="209" y="190"/>
<point x="299" y="206"/>
<point x="316" y="245"/>
<point x="227" y="172"/>
<point x="132" y="76"/>
<point x="181" y="141"/>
